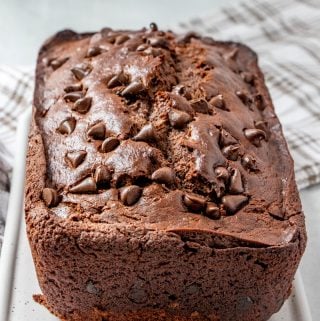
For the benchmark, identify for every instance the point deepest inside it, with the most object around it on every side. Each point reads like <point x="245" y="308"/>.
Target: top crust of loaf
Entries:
<point x="147" y="129"/>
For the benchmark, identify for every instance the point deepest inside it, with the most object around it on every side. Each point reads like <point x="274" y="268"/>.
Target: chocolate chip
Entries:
<point x="218" y="102"/>
<point x="153" y="26"/>
<point x="226" y="139"/>
<point x="182" y="91"/>
<point x="255" y="136"/>
<point x="102" y="175"/>
<point x="129" y="195"/>
<point x="158" y="42"/>
<point x="249" y="162"/>
<point x="259" y="101"/>
<point x="50" y="197"/>
<point x="67" y="126"/>
<point x="178" y="118"/>
<point x="263" y="125"/>
<point x="146" y="133"/>
<point x="244" y="97"/>
<point x="184" y="39"/>
<point x="88" y="185"/>
<point x="231" y="152"/>
<point x="82" y="105"/>
<point x="117" y="80"/>
<point x="73" y="96"/>
<point x="222" y="173"/>
<point x="109" y="144"/>
<point x="164" y="175"/>
<point x="180" y="103"/>
<point x="74" y="159"/>
<point x="97" y="131"/>
<point x="200" y="106"/>
<point x="276" y="211"/>
<point x="80" y="71"/>
<point x="212" y="211"/>
<point x="142" y="47"/>
<point x="73" y="88"/>
<point x="236" y="185"/>
<point x="94" y="51"/>
<point x="195" y="203"/>
<point x="233" y="203"/>
<point x="134" y="88"/>
<point x="57" y="63"/>
<point x="121" y="39"/>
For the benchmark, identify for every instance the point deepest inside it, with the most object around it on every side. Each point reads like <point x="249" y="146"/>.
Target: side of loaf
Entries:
<point x="159" y="184"/>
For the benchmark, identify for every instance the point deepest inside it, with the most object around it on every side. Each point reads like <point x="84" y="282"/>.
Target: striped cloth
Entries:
<point x="16" y="89"/>
<point x="284" y="33"/>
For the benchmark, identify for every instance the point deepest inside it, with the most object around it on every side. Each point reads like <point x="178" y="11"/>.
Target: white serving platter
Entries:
<point x="18" y="280"/>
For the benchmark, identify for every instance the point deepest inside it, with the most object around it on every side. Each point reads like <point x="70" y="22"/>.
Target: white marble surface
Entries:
<point x="24" y="24"/>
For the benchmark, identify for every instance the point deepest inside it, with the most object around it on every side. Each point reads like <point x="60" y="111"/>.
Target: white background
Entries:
<point x="24" y="24"/>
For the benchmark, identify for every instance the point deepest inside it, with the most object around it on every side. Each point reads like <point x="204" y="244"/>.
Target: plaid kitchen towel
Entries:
<point x="16" y="87"/>
<point x="284" y="33"/>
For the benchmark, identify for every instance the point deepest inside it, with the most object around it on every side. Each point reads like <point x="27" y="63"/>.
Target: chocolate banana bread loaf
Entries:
<point x="159" y="183"/>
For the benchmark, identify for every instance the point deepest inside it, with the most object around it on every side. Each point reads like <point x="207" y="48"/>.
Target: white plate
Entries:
<point x="18" y="280"/>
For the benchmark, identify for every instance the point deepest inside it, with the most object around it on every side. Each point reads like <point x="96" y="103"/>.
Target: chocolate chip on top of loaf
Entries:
<point x="159" y="184"/>
<point x="184" y="118"/>
<point x="157" y="95"/>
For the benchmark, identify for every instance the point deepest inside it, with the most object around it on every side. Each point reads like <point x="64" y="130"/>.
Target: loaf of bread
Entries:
<point x="159" y="184"/>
